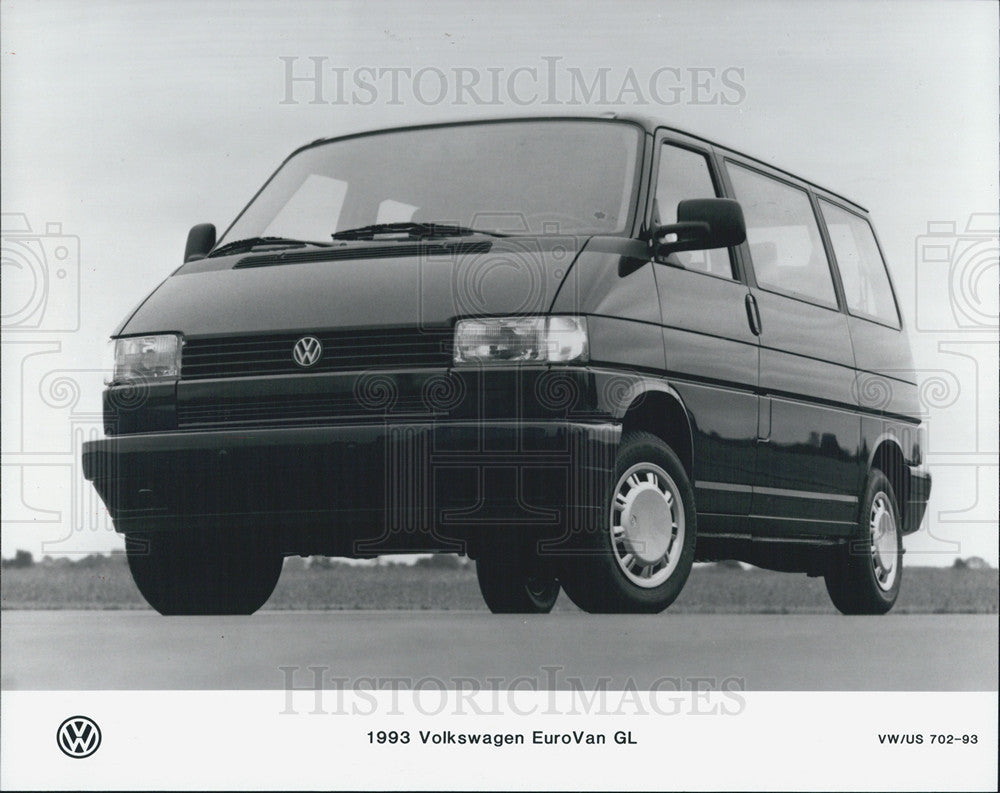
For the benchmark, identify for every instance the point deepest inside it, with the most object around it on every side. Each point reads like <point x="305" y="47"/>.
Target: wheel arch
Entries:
<point x="887" y="456"/>
<point x="658" y="409"/>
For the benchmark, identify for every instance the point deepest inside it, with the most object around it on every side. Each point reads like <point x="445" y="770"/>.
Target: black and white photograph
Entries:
<point x="500" y="395"/>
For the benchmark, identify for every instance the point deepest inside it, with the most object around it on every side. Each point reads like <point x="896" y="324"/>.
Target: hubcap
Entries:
<point x="647" y="524"/>
<point x="884" y="542"/>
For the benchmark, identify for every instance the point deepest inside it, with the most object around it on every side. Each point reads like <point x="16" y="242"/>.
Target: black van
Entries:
<point x="587" y="352"/>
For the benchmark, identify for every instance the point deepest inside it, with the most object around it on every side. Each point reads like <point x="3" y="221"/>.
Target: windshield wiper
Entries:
<point x="242" y="246"/>
<point x="412" y="230"/>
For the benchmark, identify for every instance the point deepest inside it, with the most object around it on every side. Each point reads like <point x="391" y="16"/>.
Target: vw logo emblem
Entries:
<point x="78" y="737"/>
<point x="307" y="351"/>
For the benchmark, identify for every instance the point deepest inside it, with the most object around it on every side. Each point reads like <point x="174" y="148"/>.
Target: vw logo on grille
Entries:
<point x="78" y="737"/>
<point x="307" y="351"/>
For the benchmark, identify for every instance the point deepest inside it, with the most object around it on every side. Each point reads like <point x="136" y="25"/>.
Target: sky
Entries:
<point x="123" y="124"/>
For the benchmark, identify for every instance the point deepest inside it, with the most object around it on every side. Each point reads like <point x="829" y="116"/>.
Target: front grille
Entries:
<point x="249" y="356"/>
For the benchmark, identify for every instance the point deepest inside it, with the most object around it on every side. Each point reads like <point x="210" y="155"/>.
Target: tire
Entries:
<point x="513" y="580"/>
<point x="199" y="574"/>
<point x="640" y="557"/>
<point x="864" y="575"/>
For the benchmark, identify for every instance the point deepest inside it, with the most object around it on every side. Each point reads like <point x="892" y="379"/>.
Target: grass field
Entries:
<point x="105" y="583"/>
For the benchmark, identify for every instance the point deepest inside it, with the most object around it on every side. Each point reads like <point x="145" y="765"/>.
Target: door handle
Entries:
<point x="753" y="315"/>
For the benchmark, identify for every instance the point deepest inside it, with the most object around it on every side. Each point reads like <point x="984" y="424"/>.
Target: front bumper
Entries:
<point x="401" y="486"/>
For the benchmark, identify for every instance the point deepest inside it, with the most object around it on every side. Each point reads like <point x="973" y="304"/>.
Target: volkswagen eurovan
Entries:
<point x="587" y="352"/>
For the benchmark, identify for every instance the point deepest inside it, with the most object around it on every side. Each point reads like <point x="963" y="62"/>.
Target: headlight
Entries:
<point x="147" y="358"/>
<point x="558" y="339"/>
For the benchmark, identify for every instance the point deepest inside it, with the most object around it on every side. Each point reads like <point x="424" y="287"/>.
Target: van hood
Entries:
<point x="357" y="285"/>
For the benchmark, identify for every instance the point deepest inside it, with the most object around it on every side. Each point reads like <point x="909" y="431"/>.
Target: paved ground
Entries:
<point x="48" y="650"/>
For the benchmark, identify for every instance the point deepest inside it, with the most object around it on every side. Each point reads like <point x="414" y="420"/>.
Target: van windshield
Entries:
<point x="513" y="177"/>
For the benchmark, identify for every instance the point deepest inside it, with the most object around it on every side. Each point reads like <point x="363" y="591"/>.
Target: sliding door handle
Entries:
<point x="753" y="315"/>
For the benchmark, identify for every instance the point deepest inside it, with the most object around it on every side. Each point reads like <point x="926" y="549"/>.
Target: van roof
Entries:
<point x="649" y="123"/>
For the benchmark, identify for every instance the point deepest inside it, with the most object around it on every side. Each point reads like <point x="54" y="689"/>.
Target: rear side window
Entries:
<point x="862" y="270"/>
<point x="785" y="244"/>
<point x="685" y="174"/>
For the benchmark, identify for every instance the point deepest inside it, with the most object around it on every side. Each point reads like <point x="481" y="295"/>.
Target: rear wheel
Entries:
<point x="864" y="575"/>
<point x="186" y="574"/>
<point x="640" y="558"/>
<point x="514" y="580"/>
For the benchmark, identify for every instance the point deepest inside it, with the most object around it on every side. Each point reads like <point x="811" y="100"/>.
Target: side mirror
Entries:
<point x="702" y="224"/>
<point x="201" y="239"/>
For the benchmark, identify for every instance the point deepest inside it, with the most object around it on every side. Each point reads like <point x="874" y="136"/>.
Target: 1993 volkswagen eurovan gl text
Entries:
<point x="586" y="352"/>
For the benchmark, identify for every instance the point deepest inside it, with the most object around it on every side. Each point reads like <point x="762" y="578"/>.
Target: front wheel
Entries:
<point x="640" y="557"/>
<point x="188" y="574"/>
<point x="864" y="575"/>
<point x="513" y="580"/>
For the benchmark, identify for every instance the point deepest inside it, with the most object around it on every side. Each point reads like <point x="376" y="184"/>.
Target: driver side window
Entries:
<point x="685" y="174"/>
